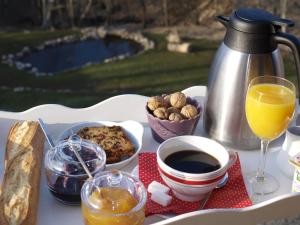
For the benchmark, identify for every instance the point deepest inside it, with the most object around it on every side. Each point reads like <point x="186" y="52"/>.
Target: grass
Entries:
<point x="153" y="72"/>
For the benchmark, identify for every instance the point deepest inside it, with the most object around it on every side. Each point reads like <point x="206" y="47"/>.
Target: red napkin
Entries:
<point x="233" y="195"/>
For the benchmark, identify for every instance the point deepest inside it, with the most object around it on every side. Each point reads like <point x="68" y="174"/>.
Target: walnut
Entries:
<point x="175" y="117"/>
<point x="189" y="111"/>
<point x="173" y="110"/>
<point x="178" y="100"/>
<point x="161" y="113"/>
<point x="155" y="102"/>
<point x="167" y="100"/>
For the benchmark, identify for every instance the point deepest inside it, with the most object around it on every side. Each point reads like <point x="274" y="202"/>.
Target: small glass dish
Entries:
<point x="113" y="197"/>
<point x="65" y="175"/>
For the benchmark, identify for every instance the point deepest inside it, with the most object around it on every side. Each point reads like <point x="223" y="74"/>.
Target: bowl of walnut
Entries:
<point x="172" y="115"/>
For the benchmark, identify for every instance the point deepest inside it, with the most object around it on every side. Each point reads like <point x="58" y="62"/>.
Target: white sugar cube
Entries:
<point x="161" y="198"/>
<point x="157" y="187"/>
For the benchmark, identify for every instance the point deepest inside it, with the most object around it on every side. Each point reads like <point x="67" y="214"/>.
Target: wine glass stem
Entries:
<point x="260" y="175"/>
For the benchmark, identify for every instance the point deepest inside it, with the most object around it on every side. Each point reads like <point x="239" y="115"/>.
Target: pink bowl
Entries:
<point x="165" y="129"/>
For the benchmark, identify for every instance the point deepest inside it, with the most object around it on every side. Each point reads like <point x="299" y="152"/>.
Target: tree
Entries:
<point x="144" y="13"/>
<point x="283" y="4"/>
<point x="108" y="11"/>
<point x="70" y="8"/>
<point x="46" y="11"/>
<point x="165" y="11"/>
<point x="86" y="9"/>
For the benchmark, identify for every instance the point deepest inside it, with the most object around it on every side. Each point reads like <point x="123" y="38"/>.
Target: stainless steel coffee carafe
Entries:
<point x="249" y="49"/>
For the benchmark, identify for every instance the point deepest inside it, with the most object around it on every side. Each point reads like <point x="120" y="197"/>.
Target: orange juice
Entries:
<point x="112" y="206"/>
<point x="269" y="109"/>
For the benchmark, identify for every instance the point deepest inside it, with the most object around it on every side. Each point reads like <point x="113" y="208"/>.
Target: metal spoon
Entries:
<point x="45" y="131"/>
<point x="75" y="146"/>
<point x="222" y="182"/>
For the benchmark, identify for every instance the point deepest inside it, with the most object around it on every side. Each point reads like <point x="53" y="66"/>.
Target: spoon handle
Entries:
<point x="44" y="129"/>
<point x="204" y="200"/>
<point x="82" y="163"/>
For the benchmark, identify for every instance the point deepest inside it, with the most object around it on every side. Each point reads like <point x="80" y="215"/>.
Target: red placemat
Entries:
<point x="233" y="195"/>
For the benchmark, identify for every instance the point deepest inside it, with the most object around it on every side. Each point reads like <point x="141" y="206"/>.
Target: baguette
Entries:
<point x="20" y="186"/>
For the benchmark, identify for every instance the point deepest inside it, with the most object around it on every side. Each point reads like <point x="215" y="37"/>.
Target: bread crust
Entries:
<point x="20" y="186"/>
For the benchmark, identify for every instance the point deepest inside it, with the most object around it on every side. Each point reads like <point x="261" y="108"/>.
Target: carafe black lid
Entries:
<point x="257" y="21"/>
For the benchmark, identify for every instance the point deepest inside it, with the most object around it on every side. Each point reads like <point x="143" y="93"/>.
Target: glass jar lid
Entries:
<point x="63" y="160"/>
<point x="108" y="185"/>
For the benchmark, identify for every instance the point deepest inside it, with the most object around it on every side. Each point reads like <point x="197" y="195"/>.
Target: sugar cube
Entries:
<point x="157" y="187"/>
<point x="161" y="198"/>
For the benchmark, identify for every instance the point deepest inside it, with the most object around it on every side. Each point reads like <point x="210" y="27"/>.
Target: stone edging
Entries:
<point x="86" y="33"/>
<point x="39" y="90"/>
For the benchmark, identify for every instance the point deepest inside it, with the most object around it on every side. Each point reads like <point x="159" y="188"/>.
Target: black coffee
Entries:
<point x="192" y="161"/>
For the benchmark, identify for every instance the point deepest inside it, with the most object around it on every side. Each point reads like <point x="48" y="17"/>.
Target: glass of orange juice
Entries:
<point x="113" y="197"/>
<point x="270" y="106"/>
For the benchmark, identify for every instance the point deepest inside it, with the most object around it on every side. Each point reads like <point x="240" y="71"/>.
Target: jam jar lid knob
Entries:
<point x="74" y="142"/>
<point x="114" y="178"/>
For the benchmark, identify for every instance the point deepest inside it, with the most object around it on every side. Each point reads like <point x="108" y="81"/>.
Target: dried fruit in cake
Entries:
<point x="112" y="139"/>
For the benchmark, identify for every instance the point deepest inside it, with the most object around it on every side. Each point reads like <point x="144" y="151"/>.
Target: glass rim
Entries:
<point x="272" y="77"/>
<point x="141" y="203"/>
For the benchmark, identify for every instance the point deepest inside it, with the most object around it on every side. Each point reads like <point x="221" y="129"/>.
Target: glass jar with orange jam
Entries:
<point x="113" y="197"/>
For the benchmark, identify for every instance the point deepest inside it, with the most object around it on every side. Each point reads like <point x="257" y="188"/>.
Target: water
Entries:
<point x="76" y="54"/>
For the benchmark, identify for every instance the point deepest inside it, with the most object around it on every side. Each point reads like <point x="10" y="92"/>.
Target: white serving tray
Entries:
<point x="132" y="107"/>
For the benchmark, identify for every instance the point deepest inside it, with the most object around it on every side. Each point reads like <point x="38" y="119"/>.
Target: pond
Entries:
<point x="76" y="54"/>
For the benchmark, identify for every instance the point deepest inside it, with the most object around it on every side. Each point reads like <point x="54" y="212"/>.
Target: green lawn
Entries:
<point x="154" y="72"/>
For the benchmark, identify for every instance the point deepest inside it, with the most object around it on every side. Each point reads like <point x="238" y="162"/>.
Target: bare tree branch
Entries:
<point x="144" y="15"/>
<point x="165" y="11"/>
<point x="86" y="10"/>
<point x="70" y="8"/>
<point x="283" y="4"/>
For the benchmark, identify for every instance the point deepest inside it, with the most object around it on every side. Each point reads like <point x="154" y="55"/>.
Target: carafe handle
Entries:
<point x="223" y="19"/>
<point x="294" y="44"/>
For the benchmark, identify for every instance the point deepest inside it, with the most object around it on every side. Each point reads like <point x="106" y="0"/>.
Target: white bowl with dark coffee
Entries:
<point x="193" y="166"/>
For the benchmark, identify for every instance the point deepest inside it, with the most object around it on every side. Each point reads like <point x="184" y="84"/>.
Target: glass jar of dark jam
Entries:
<point x="65" y="174"/>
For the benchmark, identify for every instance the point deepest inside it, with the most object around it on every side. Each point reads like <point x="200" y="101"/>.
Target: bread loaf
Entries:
<point x="20" y="186"/>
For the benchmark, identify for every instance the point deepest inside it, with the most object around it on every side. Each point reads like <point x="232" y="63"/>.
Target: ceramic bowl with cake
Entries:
<point x="172" y="115"/>
<point x="192" y="166"/>
<point x="121" y="141"/>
